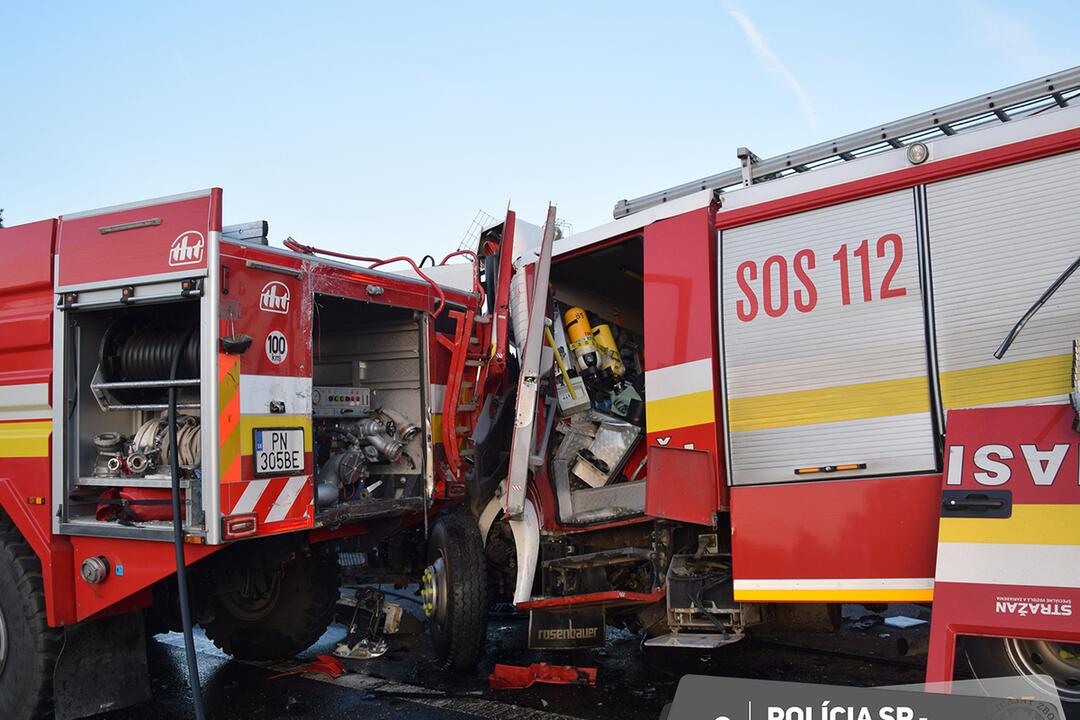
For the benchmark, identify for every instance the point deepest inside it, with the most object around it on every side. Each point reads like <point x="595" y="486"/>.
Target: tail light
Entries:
<point x="239" y="526"/>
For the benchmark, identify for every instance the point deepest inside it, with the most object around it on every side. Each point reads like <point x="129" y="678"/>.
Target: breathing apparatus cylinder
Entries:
<point x="580" y="334"/>
<point x="610" y="359"/>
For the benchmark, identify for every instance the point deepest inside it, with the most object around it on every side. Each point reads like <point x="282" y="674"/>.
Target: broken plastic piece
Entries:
<point x="324" y="664"/>
<point x="516" y="677"/>
<point x="902" y="621"/>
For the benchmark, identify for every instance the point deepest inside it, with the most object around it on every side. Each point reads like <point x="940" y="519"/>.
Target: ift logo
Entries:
<point x="187" y="249"/>
<point x="274" y="298"/>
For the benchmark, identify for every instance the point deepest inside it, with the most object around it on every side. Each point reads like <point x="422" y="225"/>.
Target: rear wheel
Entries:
<point x="28" y="646"/>
<point x="268" y="614"/>
<point x="454" y="590"/>
<point x="1008" y="657"/>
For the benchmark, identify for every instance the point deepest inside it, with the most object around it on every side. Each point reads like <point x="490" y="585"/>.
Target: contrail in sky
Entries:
<point x="769" y="59"/>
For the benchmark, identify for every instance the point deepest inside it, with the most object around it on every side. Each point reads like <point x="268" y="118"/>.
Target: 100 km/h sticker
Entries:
<point x="277" y="347"/>
<point x="279" y="451"/>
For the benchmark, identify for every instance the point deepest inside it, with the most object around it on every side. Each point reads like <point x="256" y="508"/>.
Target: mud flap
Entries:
<point x="566" y="629"/>
<point x="102" y="667"/>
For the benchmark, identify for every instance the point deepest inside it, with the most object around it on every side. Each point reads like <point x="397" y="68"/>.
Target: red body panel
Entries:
<point x="26" y="308"/>
<point x="978" y="591"/>
<point x="884" y="528"/>
<point x="606" y="598"/>
<point x="153" y="249"/>
<point x="259" y="301"/>
<point x="680" y="307"/>
<point x="681" y="327"/>
<point x="681" y="485"/>
<point x="134" y="565"/>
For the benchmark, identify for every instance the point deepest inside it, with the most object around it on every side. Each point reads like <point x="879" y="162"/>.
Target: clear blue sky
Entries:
<point x="384" y="127"/>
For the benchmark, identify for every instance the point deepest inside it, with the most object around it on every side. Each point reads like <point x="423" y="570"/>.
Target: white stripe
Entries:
<point x="25" y="402"/>
<point x="675" y="380"/>
<point x="838" y="584"/>
<point x="250" y="497"/>
<point x="257" y="391"/>
<point x="997" y="564"/>
<point x="281" y="507"/>
<point x="438" y="394"/>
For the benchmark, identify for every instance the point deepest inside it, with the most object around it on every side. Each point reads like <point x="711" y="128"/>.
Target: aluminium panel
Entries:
<point x="822" y="372"/>
<point x="998" y="239"/>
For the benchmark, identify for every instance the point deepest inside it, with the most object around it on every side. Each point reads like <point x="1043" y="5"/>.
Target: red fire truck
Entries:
<point x="779" y="385"/>
<point x="175" y="392"/>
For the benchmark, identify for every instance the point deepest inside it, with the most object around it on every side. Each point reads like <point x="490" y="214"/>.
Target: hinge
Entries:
<point x="192" y="287"/>
<point x="66" y="300"/>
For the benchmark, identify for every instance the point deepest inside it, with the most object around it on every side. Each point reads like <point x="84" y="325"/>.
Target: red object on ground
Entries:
<point x="326" y="664"/>
<point x="516" y="677"/>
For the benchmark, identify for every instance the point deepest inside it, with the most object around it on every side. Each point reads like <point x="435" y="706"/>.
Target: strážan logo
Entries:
<point x="274" y="298"/>
<point x="1027" y="606"/>
<point x="187" y="249"/>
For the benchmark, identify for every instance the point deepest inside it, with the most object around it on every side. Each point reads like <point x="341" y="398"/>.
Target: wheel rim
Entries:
<point x="3" y="641"/>
<point x="256" y="599"/>
<point x="433" y="591"/>
<point x="1059" y="661"/>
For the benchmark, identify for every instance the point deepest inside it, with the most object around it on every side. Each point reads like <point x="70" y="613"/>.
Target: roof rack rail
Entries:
<point x="1051" y="92"/>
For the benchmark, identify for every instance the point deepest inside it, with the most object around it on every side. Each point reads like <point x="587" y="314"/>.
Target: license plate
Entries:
<point x="279" y="451"/>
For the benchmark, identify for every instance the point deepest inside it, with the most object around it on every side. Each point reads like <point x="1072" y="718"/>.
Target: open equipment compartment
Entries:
<point x="116" y="376"/>
<point x="371" y="441"/>
<point x="597" y="323"/>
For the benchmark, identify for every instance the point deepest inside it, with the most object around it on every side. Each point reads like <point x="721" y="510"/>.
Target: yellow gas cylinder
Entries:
<point x="610" y="359"/>
<point x="579" y="333"/>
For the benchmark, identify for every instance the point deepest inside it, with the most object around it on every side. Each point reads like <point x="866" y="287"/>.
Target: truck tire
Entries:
<point x="454" y="589"/>
<point x="990" y="658"/>
<point x="276" y="614"/>
<point x="28" y="646"/>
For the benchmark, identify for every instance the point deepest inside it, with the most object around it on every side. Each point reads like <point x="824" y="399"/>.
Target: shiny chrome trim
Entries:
<point x="208" y="349"/>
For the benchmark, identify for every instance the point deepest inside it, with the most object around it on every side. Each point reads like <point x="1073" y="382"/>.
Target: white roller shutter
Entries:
<point x="997" y="241"/>
<point x="814" y="381"/>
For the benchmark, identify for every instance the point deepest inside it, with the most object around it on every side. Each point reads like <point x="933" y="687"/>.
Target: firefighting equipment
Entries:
<point x="610" y="359"/>
<point x="621" y="401"/>
<point x="570" y="388"/>
<point x="582" y="346"/>
<point x="559" y="362"/>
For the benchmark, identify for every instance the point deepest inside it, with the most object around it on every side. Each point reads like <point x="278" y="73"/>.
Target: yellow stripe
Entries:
<point x="1029" y="525"/>
<point x="25" y="439"/>
<point x="248" y="423"/>
<point x="436" y="428"/>
<point x="988" y="385"/>
<point x="833" y="404"/>
<point x="1007" y="382"/>
<point x="680" y="411"/>
<point x="921" y="595"/>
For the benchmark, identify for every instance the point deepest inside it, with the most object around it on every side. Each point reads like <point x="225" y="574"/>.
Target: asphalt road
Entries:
<point x="405" y="683"/>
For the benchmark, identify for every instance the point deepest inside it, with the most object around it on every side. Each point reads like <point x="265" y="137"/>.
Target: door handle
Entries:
<point x="976" y="503"/>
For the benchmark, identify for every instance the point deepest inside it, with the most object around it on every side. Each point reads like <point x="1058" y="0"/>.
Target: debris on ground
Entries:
<point x="865" y="622"/>
<point x="516" y="677"/>
<point x="324" y="665"/>
<point x="902" y="621"/>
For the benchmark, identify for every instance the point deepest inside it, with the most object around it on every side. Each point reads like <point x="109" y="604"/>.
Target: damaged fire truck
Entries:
<point x="779" y="385"/>
<point x="175" y="392"/>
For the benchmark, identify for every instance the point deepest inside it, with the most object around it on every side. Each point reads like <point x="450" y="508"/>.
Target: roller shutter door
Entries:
<point x="815" y="375"/>
<point x="997" y="241"/>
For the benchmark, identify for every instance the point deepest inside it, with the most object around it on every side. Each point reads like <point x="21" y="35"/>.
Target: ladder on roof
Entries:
<point x="1048" y="93"/>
